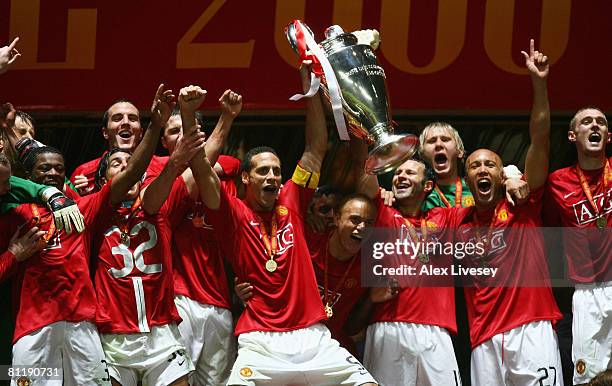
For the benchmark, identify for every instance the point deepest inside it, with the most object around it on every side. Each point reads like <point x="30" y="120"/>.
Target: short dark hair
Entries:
<point x="326" y="190"/>
<point x="103" y="165"/>
<point x="176" y="112"/>
<point x="121" y="100"/>
<point x="4" y="160"/>
<point x="29" y="160"/>
<point x="246" y="163"/>
<point x="355" y="196"/>
<point x="25" y="117"/>
<point x="429" y="173"/>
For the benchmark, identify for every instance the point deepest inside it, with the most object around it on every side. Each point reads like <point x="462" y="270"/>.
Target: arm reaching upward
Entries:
<point x="536" y="163"/>
<point x="186" y="147"/>
<point x="316" y="128"/>
<point x="231" y="105"/>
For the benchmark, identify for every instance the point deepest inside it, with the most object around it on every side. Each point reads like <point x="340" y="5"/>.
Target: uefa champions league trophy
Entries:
<point x="354" y="84"/>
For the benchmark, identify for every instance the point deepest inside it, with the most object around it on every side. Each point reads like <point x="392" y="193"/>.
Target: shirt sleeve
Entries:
<point x="178" y="203"/>
<point x="230" y="166"/>
<point x="22" y="191"/>
<point x="8" y="265"/>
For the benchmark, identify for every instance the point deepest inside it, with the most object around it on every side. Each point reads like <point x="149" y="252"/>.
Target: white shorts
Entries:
<point x="526" y="355"/>
<point x="409" y="354"/>
<point x="591" y="330"/>
<point x="73" y="349"/>
<point x="308" y="356"/>
<point x="156" y="358"/>
<point x="208" y="333"/>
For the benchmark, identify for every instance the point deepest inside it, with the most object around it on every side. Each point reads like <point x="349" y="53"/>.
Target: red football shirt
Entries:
<point x="230" y="166"/>
<point x="134" y="282"/>
<point x="418" y="301"/>
<point x="344" y="288"/>
<point x="54" y="284"/>
<point x="199" y="271"/>
<point x="88" y="169"/>
<point x="520" y="293"/>
<point x="286" y="299"/>
<point x="587" y="248"/>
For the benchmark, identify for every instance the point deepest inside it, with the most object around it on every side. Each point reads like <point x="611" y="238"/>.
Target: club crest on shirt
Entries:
<point x="282" y="210"/>
<point x="23" y="381"/>
<point x="580" y="366"/>
<point x="502" y="215"/>
<point x="467" y="201"/>
<point x="246" y="372"/>
<point x="584" y="213"/>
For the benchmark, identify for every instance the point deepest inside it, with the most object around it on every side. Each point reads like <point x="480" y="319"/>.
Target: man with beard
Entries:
<point x="58" y="332"/>
<point x="408" y="341"/>
<point x="280" y="338"/>
<point x="578" y="198"/>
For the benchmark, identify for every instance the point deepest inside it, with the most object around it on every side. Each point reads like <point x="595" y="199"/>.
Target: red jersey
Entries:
<point x="133" y="278"/>
<point x="286" y="299"/>
<point x="54" y="284"/>
<point x="88" y="169"/>
<point x="199" y="271"/>
<point x="343" y="283"/>
<point x="230" y="166"/>
<point x="418" y="301"/>
<point x="520" y="293"/>
<point x="587" y="248"/>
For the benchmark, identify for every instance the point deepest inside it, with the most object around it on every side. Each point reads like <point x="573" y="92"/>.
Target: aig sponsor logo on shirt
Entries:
<point x="285" y="238"/>
<point x="584" y="213"/>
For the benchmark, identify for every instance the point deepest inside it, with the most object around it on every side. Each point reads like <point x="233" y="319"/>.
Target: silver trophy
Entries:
<point x="364" y="97"/>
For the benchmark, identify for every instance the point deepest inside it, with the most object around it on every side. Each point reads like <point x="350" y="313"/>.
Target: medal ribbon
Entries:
<point x="126" y="219"/>
<point x="335" y="96"/>
<point x="490" y="230"/>
<point x="340" y="283"/>
<point x="39" y="221"/>
<point x="271" y="245"/>
<point x="412" y="232"/>
<point x="587" y="189"/>
<point x="458" y="194"/>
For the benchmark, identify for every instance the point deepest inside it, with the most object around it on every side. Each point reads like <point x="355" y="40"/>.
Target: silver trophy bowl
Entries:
<point x="365" y="100"/>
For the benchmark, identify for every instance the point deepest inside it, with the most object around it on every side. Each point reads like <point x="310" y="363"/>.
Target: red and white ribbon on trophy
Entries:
<point x="308" y="49"/>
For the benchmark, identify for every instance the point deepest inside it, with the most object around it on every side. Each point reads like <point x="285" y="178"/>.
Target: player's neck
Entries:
<point x="587" y="162"/>
<point x="257" y="207"/>
<point x="484" y="210"/>
<point x="448" y="179"/>
<point x="410" y="207"/>
<point x="336" y="250"/>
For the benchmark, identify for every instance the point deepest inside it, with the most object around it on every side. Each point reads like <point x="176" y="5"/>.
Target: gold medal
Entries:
<point x="271" y="265"/>
<point x="423" y="258"/>
<point x="198" y="221"/>
<point x="329" y="311"/>
<point x="601" y="222"/>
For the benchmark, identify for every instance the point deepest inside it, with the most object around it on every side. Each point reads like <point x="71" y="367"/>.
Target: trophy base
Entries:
<point x="390" y="153"/>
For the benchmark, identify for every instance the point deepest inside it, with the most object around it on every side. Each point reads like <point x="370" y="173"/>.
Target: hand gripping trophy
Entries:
<point x="345" y="68"/>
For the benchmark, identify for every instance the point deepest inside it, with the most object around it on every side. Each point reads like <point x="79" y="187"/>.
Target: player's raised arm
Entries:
<point x="536" y="163"/>
<point x="205" y="177"/>
<point x="189" y="99"/>
<point x="162" y="106"/>
<point x="8" y="55"/>
<point x="316" y="128"/>
<point x="365" y="183"/>
<point x="231" y="105"/>
<point x="186" y="147"/>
